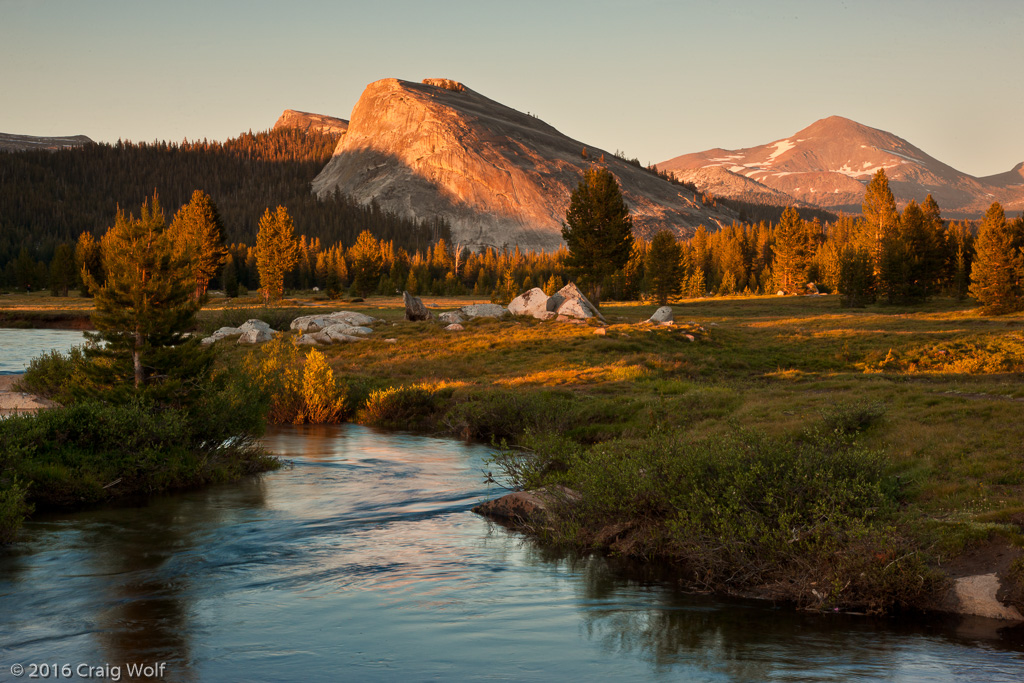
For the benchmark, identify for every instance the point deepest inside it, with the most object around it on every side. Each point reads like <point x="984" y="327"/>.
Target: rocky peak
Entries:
<point x="306" y="121"/>
<point x="501" y="177"/>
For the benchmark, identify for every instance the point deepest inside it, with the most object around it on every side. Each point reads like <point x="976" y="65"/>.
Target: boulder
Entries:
<point x="812" y="288"/>
<point x="340" y="333"/>
<point x="255" y="331"/>
<point x="662" y="315"/>
<point x="414" y="308"/>
<point x="547" y="315"/>
<point x="528" y="507"/>
<point x="221" y="334"/>
<point x="533" y="302"/>
<point x="451" y="318"/>
<point x="315" y="323"/>
<point x="455" y="327"/>
<point x="308" y="339"/>
<point x="483" y="311"/>
<point x="570" y="301"/>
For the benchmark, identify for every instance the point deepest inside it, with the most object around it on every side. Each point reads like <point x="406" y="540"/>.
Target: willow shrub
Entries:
<point x="300" y="388"/>
<point x="742" y="510"/>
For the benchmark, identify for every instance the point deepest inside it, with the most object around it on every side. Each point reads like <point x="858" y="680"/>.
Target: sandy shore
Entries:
<point x="12" y="401"/>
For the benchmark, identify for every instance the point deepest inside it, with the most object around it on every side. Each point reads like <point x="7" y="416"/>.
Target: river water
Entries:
<point x="362" y="561"/>
<point x="18" y="347"/>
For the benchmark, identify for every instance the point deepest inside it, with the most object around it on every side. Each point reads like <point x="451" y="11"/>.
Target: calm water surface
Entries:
<point x="361" y="561"/>
<point x="18" y="347"/>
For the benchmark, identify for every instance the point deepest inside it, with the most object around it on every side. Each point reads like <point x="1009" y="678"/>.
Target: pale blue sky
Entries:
<point x="653" y="78"/>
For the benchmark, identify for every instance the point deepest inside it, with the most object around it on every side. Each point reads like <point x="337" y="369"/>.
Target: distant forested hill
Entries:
<point x="50" y="197"/>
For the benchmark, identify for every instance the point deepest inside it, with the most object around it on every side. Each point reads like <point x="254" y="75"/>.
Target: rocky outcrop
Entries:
<point x="533" y="303"/>
<point x="24" y="143"/>
<point x="976" y="596"/>
<point x="302" y="120"/>
<point x="497" y="175"/>
<point x="14" y="402"/>
<point x="414" y="308"/>
<point x="222" y="333"/>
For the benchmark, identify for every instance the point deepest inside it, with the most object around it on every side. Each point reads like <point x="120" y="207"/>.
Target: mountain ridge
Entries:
<point x="829" y="162"/>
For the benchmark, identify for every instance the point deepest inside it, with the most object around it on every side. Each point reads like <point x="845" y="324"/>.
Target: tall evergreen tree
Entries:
<point x="277" y="252"/>
<point x="366" y="263"/>
<point x="664" y="272"/>
<point x="597" y="229"/>
<point x="793" y="249"/>
<point x="144" y="307"/>
<point x="196" y="233"/>
<point x="997" y="271"/>
<point x="63" y="274"/>
<point x="88" y="262"/>
<point x="880" y="216"/>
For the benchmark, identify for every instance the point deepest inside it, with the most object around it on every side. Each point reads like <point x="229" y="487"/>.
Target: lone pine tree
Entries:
<point x="598" y="229"/>
<point x="143" y="308"/>
<point x="277" y="252"/>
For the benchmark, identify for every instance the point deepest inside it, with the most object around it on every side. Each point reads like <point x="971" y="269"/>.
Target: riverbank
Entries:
<point x="928" y="396"/>
<point x="931" y="395"/>
<point x="14" y="402"/>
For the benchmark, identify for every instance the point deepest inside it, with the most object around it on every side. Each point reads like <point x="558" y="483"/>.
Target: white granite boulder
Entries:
<point x="662" y="315"/>
<point x="533" y="303"/>
<point x="315" y="323"/>
<point x="570" y="301"/>
<point x="483" y="311"/>
<point x="255" y="332"/>
<point x="451" y="318"/>
<point x="455" y="327"/>
<point x="222" y="333"/>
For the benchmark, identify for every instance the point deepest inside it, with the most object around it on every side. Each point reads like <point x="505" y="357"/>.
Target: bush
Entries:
<point x="405" y="407"/>
<point x="847" y="419"/>
<point x="92" y="451"/>
<point x="741" y="511"/>
<point x="296" y="388"/>
<point x="53" y="374"/>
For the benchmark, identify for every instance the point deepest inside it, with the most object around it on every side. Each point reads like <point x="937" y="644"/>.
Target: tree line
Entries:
<point x="49" y="198"/>
<point x="902" y="257"/>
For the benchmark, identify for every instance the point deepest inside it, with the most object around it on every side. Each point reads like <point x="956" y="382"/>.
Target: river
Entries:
<point x="362" y="561"/>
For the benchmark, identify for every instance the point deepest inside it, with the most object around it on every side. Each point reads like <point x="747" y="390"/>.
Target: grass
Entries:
<point x="934" y="393"/>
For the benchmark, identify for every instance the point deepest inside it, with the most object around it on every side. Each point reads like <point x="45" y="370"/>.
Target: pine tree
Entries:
<point x="277" y="251"/>
<point x="998" y="267"/>
<point x="143" y="308"/>
<point x="856" y="278"/>
<point x="792" y="251"/>
<point x="63" y="274"/>
<point x="196" y="233"/>
<point x="598" y="229"/>
<point x="664" y="273"/>
<point x="88" y="262"/>
<point x="366" y="263"/>
<point x="880" y="216"/>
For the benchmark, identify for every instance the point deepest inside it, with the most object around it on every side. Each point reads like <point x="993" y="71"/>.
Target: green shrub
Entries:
<point x="849" y="418"/>
<point x="404" y="407"/>
<point x="91" y="452"/>
<point x="52" y="374"/>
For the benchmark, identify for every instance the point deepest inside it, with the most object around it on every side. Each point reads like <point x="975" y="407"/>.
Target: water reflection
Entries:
<point x="362" y="558"/>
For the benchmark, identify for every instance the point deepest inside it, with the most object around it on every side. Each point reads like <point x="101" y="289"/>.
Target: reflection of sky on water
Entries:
<point x="361" y="561"/>
<point x="18" y="347"/>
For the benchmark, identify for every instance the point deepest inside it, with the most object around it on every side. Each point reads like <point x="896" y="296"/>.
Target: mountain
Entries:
<point x="23" y="143"/>
<point x="305" y="121"/>
<point x="831" y="161"/>
<point x="721" y="182"/>
<point x="498" y="176"/>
